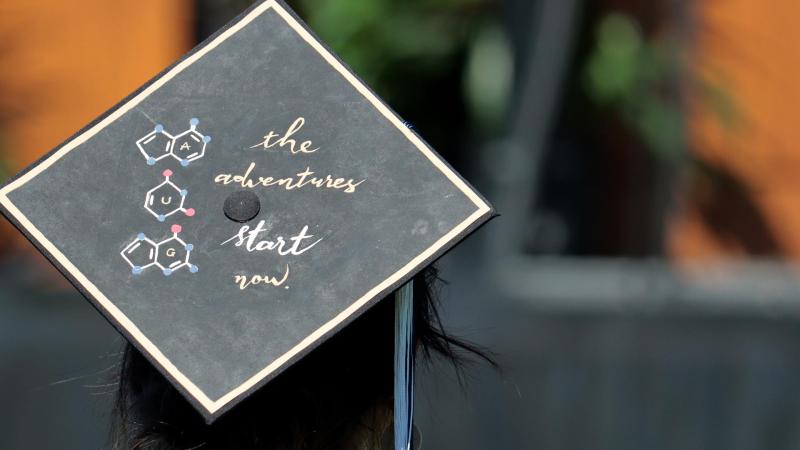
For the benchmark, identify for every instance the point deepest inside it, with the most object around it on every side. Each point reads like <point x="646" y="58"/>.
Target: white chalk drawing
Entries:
<point x="167" y="199"/>
<point x="185" y="147"/>
<point x="140" y="254"/>
<point x="169" y="255"/>
<point x="156" y="145"/>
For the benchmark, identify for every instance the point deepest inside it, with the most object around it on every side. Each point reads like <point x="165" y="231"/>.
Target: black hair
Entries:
<point x="338" y="397"/>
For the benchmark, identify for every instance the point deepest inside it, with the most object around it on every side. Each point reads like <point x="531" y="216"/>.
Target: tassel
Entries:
<point x="404" y="367"/>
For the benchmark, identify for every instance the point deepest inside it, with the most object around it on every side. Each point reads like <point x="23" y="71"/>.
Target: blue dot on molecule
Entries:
<point x="167" y="272"/>
<point x="189" y="247"/>
<point x="184" y="192"/>
<point x="194" y="122"/>
<point x="184" y="162"/>
<point x="141" y="236"/>
<point x="206" y="139"/>
<point x="159" y="128"/>
<point x="137" y="270"/>
<point x="193" y="269"/>
<point x="151" y="161"/>
<point x="161" y="218"/>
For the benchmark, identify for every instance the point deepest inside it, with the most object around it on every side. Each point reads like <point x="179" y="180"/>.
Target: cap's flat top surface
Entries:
<point x="352" y="204"/>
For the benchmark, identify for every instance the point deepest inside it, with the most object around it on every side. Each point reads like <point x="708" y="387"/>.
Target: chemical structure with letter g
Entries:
<point x="169" y="255"/>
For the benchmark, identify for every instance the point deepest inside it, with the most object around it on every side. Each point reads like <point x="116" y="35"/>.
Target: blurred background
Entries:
<point x="641" y="289"/>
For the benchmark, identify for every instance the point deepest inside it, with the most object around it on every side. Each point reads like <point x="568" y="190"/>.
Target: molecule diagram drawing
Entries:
<point x="185" y="147"/>
<point x="169" y="255"/>
<point x="167" y="199"/>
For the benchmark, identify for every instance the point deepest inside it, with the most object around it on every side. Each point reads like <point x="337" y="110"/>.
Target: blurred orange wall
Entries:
<point x="65" y="62"/>
<point x="751" y="50"/>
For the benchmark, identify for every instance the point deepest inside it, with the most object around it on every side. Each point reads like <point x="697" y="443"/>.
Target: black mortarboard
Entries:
<point x="242" y="207"/>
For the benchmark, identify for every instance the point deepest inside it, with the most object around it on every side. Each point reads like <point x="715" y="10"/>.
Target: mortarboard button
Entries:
<point x="242" y="206"/>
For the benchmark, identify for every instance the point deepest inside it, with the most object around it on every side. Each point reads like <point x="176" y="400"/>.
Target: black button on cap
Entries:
<point x="242" y="206"/>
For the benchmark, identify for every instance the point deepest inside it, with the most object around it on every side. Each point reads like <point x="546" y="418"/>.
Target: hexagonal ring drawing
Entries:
<point x="167" y="199"/>
<point x="190" y="145"/>
<point x="169" y="255"/>
<point x="185" y="147"/>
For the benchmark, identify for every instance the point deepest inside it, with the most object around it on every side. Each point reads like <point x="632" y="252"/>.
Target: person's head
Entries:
<point x="339" y="397"/>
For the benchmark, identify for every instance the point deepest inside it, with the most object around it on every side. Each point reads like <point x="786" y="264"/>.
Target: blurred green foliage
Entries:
<point x="637" y="78"/>
<point x="488" y="78"/>
<point x="376" y="35"/>
<point x="384" y="40"/>
<point x="641" y="80"/>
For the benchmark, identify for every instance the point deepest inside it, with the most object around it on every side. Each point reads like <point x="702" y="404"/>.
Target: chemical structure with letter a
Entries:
<point x="167" y="199"/>
<point x="186" y="147"/>
<point x="169" y="255"/>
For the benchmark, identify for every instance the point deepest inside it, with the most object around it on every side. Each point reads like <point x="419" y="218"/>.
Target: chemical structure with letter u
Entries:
<point x="167" y="199"/>
<point x="169" y="255"/>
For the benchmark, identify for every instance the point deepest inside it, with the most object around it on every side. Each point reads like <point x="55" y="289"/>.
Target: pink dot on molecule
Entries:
<point x="176" y="228"/>
<point x="190" y="212"/>
<point x="167" y="173"/>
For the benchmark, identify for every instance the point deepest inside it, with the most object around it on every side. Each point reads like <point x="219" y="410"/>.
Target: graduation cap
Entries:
<point x="242" y="207"/>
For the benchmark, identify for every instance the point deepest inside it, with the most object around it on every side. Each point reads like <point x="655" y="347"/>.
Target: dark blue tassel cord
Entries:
<point x="404" y="367"/>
